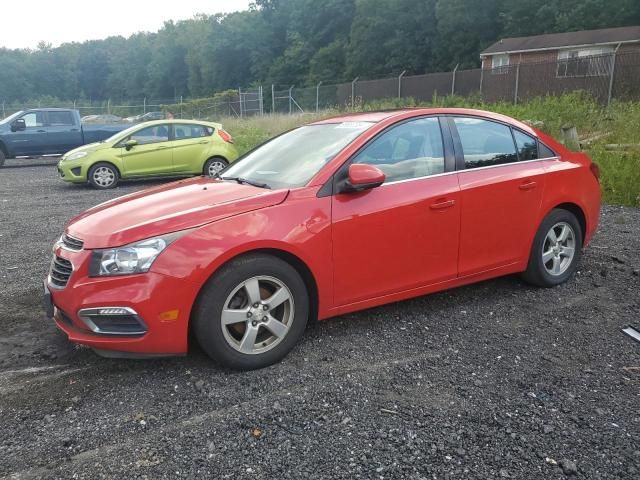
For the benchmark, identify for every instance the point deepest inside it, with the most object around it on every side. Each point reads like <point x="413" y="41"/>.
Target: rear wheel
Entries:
<point x="556" y="249"/>
<point x="103" y="176"/>
<point x="252" y="312"/>
<point x="214" y="165"/>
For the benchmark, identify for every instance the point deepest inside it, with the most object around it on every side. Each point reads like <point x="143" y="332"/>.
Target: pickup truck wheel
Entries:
<point x="214" y="165"/>
<point x="2" y="158"/>
<point x="103" y="176"/>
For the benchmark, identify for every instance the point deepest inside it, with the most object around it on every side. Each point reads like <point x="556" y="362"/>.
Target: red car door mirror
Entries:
<point x="363" y="177"/>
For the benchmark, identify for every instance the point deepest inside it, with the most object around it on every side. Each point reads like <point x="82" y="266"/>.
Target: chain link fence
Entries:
<point x="605" y="77"/>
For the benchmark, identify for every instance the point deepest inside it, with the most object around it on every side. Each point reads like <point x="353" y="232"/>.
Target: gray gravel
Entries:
<point x="495" y="380"/>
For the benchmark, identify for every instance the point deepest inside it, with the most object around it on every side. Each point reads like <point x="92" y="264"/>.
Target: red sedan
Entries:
<point x="332" y="217"/>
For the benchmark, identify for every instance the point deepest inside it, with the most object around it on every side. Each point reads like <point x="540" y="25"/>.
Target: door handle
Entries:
<point x="204" y="141"/>
<point x="528" y="185"/>
<point x="41" y="131"/>
<point x="442" y="205"/>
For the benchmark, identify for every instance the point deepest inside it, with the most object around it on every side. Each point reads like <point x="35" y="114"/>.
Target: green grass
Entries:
<point x="620" y="171"/>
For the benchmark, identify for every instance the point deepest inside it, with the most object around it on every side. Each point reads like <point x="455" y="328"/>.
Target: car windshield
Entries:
<point x="292" y="159"/>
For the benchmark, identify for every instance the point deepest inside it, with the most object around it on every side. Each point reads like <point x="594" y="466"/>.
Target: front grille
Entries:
<point x="60" y="272"/>
<point x="71" y="243"/>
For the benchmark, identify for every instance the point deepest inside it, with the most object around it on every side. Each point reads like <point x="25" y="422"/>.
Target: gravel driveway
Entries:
<point x="494" y="380"/>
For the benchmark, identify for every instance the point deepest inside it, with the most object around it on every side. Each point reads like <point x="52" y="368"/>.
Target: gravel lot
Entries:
<point x="495" y="380"/>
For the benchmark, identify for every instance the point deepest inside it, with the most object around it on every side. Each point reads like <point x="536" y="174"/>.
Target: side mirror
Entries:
<point x="129" y="144"/>
<point x="363" y="177"/>
<point x="19" y="125"/>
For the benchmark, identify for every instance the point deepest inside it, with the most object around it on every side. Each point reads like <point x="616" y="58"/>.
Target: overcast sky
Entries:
<point x="27" y="22"/>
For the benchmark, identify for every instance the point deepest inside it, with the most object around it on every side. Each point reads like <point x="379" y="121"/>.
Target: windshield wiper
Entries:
<point x="246" y="181"/>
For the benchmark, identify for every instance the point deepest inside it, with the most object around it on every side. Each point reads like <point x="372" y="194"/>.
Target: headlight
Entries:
<point x="135" y="258"/>
<point x="75" y="156"/>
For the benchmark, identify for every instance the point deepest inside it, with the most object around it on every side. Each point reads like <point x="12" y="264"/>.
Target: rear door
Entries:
<point x="403" y="234"/>
<point x="151" y="156"/>
<point x="63" y="134"/>
<point x="190" y="143"/>
<point x="501" y="185"/>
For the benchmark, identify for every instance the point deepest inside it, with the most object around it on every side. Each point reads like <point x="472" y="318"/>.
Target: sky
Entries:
<point x="60" y="21"/>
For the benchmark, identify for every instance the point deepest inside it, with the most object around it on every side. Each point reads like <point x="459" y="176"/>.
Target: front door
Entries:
<point x="403" y="234"/>
<point x="33" y="140"/>
<point x="501" y="183"/>
<point x="151" y="156"/>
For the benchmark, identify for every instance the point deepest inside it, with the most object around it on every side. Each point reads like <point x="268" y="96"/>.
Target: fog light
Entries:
<point x="113" y="321"/>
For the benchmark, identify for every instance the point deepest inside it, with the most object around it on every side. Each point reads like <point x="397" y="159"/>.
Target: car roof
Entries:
<point x="175" y="120"/>
<point x="379" y="116"/>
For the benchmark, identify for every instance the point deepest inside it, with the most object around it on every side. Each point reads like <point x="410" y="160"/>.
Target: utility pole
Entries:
<point x="353" y="93"/>
<point x="400" y="83"/>
<point x="318" y="96"/>
<point x="453" y="80"/>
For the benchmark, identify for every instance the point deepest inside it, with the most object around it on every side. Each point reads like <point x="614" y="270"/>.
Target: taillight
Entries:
<point x="595" y="170"/>
<point x="225" y="136"/>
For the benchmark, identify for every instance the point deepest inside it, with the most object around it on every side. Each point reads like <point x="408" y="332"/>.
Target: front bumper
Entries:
<point x="162" y="304"/>
<point x="72" y="171"/>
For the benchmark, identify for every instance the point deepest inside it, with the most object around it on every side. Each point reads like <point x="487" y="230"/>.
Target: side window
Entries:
<point x="34" y="119"/>
<point x="485" y="143"/>
<point x="545" y="152"/>
<point x="60" y="119"/>
<point x="527" y="146"/>
<point x="155" y="134"/>
<point x="410" y="150"/>
<point x="183" y="131"/>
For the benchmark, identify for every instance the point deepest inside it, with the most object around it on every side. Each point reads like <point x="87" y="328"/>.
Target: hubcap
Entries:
<point x="257" y="315"/>
<point x="215" y="167"/>
<point x="558" y="249"/>
<point x="104" y="176"/>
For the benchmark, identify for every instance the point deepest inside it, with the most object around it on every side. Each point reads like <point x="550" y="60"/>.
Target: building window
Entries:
<point x="500" y="64"/>
<point x="585" y="62"/>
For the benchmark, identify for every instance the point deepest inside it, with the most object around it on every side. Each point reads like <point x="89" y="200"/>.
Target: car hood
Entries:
<point x="167" y="208"/>
<point x="90" y="147"/>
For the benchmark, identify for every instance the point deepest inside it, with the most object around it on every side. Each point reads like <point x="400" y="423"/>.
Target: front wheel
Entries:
<point x="556" y="249"/>
<point x="103" y="176"/>
<point x="213" y="166"/>
<point x="252" y="312"/>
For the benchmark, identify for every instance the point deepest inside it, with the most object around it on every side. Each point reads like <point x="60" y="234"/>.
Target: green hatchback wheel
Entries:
<point x="103" y="176"/>
<point x="214" y="165"/>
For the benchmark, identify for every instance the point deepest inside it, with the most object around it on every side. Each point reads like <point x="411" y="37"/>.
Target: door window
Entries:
<point x="183" y="132"/>
<point x="485" y="143"/>
<point x="410" y="150"/>
<point x="155" y="134"/>
<point x="60" y="119"/>
<point x="34" y="119"/>
<point x="527" y="146"/>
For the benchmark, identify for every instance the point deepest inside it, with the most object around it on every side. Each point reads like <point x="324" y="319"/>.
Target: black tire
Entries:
<point x="216" y="339"/>
<point x="537" y="272"/>
<point x="103" y="167"/>
<point x="2" y="158"/>
<point x="221" y="162"/>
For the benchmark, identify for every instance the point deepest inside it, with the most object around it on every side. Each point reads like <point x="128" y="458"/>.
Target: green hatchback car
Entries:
<point x="151" y="149"/>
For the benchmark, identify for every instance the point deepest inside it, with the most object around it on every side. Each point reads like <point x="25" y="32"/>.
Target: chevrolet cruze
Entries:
<point x="332" y="217"/>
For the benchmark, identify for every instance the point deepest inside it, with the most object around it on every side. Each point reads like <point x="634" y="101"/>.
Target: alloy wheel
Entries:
<point x="558" y="249"/>
<point x="257" y="315"/>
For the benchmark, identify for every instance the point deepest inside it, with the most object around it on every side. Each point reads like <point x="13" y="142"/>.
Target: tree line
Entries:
<point x="293" y="42"/>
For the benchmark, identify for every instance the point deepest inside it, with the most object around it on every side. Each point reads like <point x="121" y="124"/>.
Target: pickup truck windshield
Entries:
<point x="292" y="159"/>
<point x="11" y="117"/>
